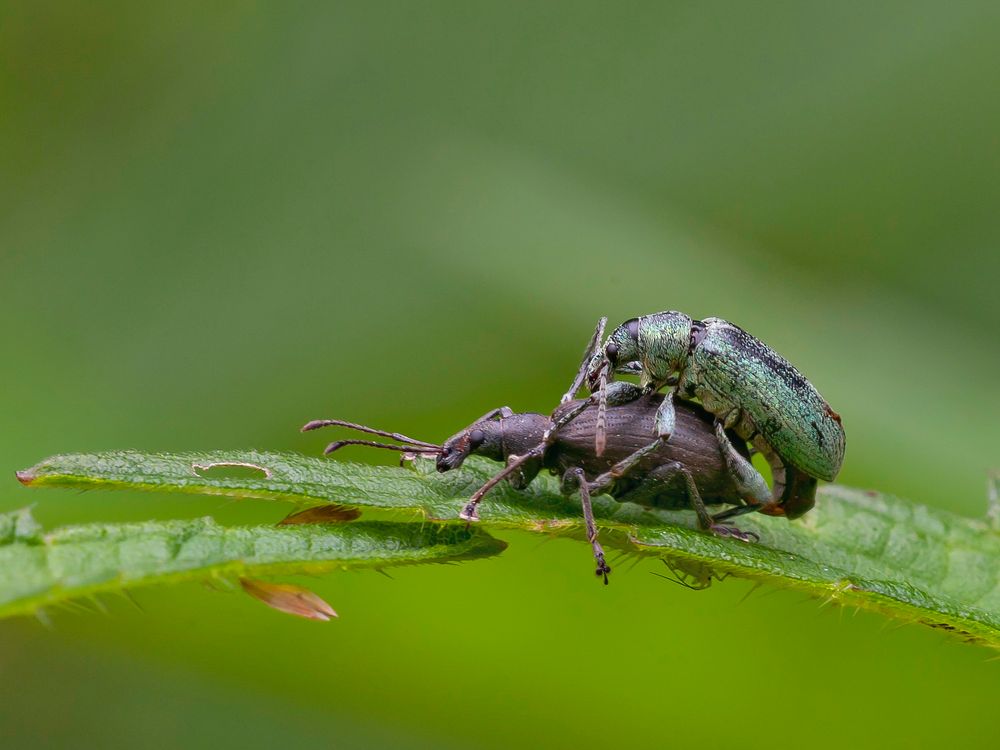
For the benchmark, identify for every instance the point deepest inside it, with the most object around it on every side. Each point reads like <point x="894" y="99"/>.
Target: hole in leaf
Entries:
<point x="231" y="470"/>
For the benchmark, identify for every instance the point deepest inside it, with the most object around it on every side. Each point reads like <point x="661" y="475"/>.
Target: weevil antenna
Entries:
<point x="588" y="353"/>
<point x="318" y="423"/>
<point x="338" y="444"/>
<point x="601" y="426"/>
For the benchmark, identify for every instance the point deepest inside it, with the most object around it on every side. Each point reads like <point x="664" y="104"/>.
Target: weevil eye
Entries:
<point x="611" y="351"/>
<point x="476" y="438"/>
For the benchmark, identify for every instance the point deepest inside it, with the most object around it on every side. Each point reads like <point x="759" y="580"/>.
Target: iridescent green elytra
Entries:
<point x="749" y="387"/>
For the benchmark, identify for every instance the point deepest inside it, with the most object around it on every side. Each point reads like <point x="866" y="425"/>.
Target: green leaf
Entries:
<point x="857" y="548"/>
<point x="38" y="569"/>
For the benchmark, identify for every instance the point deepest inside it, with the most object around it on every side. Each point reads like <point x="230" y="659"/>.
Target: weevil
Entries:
<point x="750" y="389"/>
<point x="688" y="472"/>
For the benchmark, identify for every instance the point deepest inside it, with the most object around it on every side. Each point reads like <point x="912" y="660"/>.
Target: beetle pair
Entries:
<point x="687" y="472"/>
<point x="639" y="446"/>
<point x="747" y="386"/>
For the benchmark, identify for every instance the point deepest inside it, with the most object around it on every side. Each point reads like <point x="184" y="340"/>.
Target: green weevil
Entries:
<point x="747" y="386"/>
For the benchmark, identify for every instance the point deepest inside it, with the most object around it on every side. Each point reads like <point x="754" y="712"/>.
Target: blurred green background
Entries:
<point x="218" y="221"/>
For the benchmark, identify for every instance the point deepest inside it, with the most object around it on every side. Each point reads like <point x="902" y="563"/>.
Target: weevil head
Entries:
<point x="622" y="347"/>
<point x="481" y="438"/>
<point x="497" y="438"/>
<point x="653" y="346"/>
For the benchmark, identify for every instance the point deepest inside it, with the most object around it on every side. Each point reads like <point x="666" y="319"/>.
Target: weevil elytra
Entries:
<point x="688" y="472"/>
<point x="749" y="388"/>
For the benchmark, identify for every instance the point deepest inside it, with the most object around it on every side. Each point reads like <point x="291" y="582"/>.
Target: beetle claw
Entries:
<point x="731" y="532"/>
<point x="602" y="568"/>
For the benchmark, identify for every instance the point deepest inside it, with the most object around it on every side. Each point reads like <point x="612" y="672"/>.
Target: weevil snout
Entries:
<point x="456" y="449"/>
<point x="599" y="365"/>
<point x="621" y="347"/>
<point x="450" y="458"/>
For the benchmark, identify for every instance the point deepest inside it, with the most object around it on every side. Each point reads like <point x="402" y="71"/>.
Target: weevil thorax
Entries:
<point x="496" y="439"/>
<point x="662" y="341"/>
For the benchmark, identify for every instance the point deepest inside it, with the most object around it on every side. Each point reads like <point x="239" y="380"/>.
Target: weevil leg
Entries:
<point x="501" y="411"/>
<point x="694" y="497"/>
<point x="666" y="416"/>
<point x="739" y="510"/>
<point x="521" y="464"/>
<point x="707" y="522"/>
<point x="603" y="481"/>
<point x="588" y="354"/>
<point x="618" y="393"/>
<point x="628" y="392"/>
<point x="513" y="466"/>
<point x="621" y="392"/>
<point x="549" y="436"/>
<point x="525" y="473"/>
<point x="606" y="392"/>
<point x="574" y="479"/>
<point x="630" y="368"/>
<point x="665" y="478"/>
<point x="600" y="424"/>
<point x="750" y="485"/>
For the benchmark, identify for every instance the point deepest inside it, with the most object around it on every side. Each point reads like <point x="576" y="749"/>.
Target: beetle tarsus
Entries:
<point x="588" y="354"/>
<point x="731" y="532"/>
<point x="602" y="568"/>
